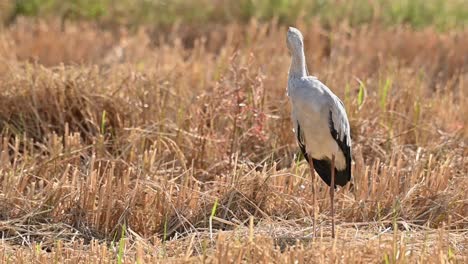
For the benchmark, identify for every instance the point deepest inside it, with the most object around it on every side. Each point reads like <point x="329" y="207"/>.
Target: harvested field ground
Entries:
<point x="176" y="145"/>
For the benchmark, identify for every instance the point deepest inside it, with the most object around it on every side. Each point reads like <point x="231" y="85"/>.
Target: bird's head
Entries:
<point x="294" y="40"/>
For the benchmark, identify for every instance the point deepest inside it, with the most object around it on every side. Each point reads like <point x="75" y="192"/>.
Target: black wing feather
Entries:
<point x="323" y="167"/>
<point x="300" y="141"/>
<point x="344" y="176"/>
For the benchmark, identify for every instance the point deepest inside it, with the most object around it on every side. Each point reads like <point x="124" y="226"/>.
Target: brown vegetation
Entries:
<point x="125" y="146"/>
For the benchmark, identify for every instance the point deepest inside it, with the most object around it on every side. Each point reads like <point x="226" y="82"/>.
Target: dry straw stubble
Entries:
<point x="120" y="146"/>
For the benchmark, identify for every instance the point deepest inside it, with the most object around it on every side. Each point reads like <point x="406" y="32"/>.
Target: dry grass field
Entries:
<point x="176" y="146"/>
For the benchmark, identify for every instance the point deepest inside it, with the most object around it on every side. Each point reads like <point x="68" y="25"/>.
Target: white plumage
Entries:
<point x="312" y="105"/>
<point x="319" y="117"/>
<point x="320" y="122"/>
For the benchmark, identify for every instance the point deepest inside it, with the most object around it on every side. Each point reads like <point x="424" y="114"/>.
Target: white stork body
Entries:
<point x="320" y="122"/>
<point x="312" y="103"/>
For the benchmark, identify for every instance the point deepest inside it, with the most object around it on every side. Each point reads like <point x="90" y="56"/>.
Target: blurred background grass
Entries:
<point x="442" y="14"/>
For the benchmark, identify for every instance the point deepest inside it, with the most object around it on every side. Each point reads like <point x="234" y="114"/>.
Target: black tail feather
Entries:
<point x="323" y="168"/>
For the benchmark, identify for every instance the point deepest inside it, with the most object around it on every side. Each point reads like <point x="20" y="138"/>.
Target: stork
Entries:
<point x="320" y="122"/>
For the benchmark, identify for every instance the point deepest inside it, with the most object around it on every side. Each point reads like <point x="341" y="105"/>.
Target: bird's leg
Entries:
<point x="332" y="194"/>
<point x="312" y="173"/>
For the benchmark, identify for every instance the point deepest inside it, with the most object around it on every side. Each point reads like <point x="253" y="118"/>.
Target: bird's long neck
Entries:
<point x="298" y="67"/>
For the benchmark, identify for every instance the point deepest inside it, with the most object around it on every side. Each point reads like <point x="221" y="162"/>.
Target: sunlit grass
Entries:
<point x="177" y="145"/>
<point x="419" y="13"/>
